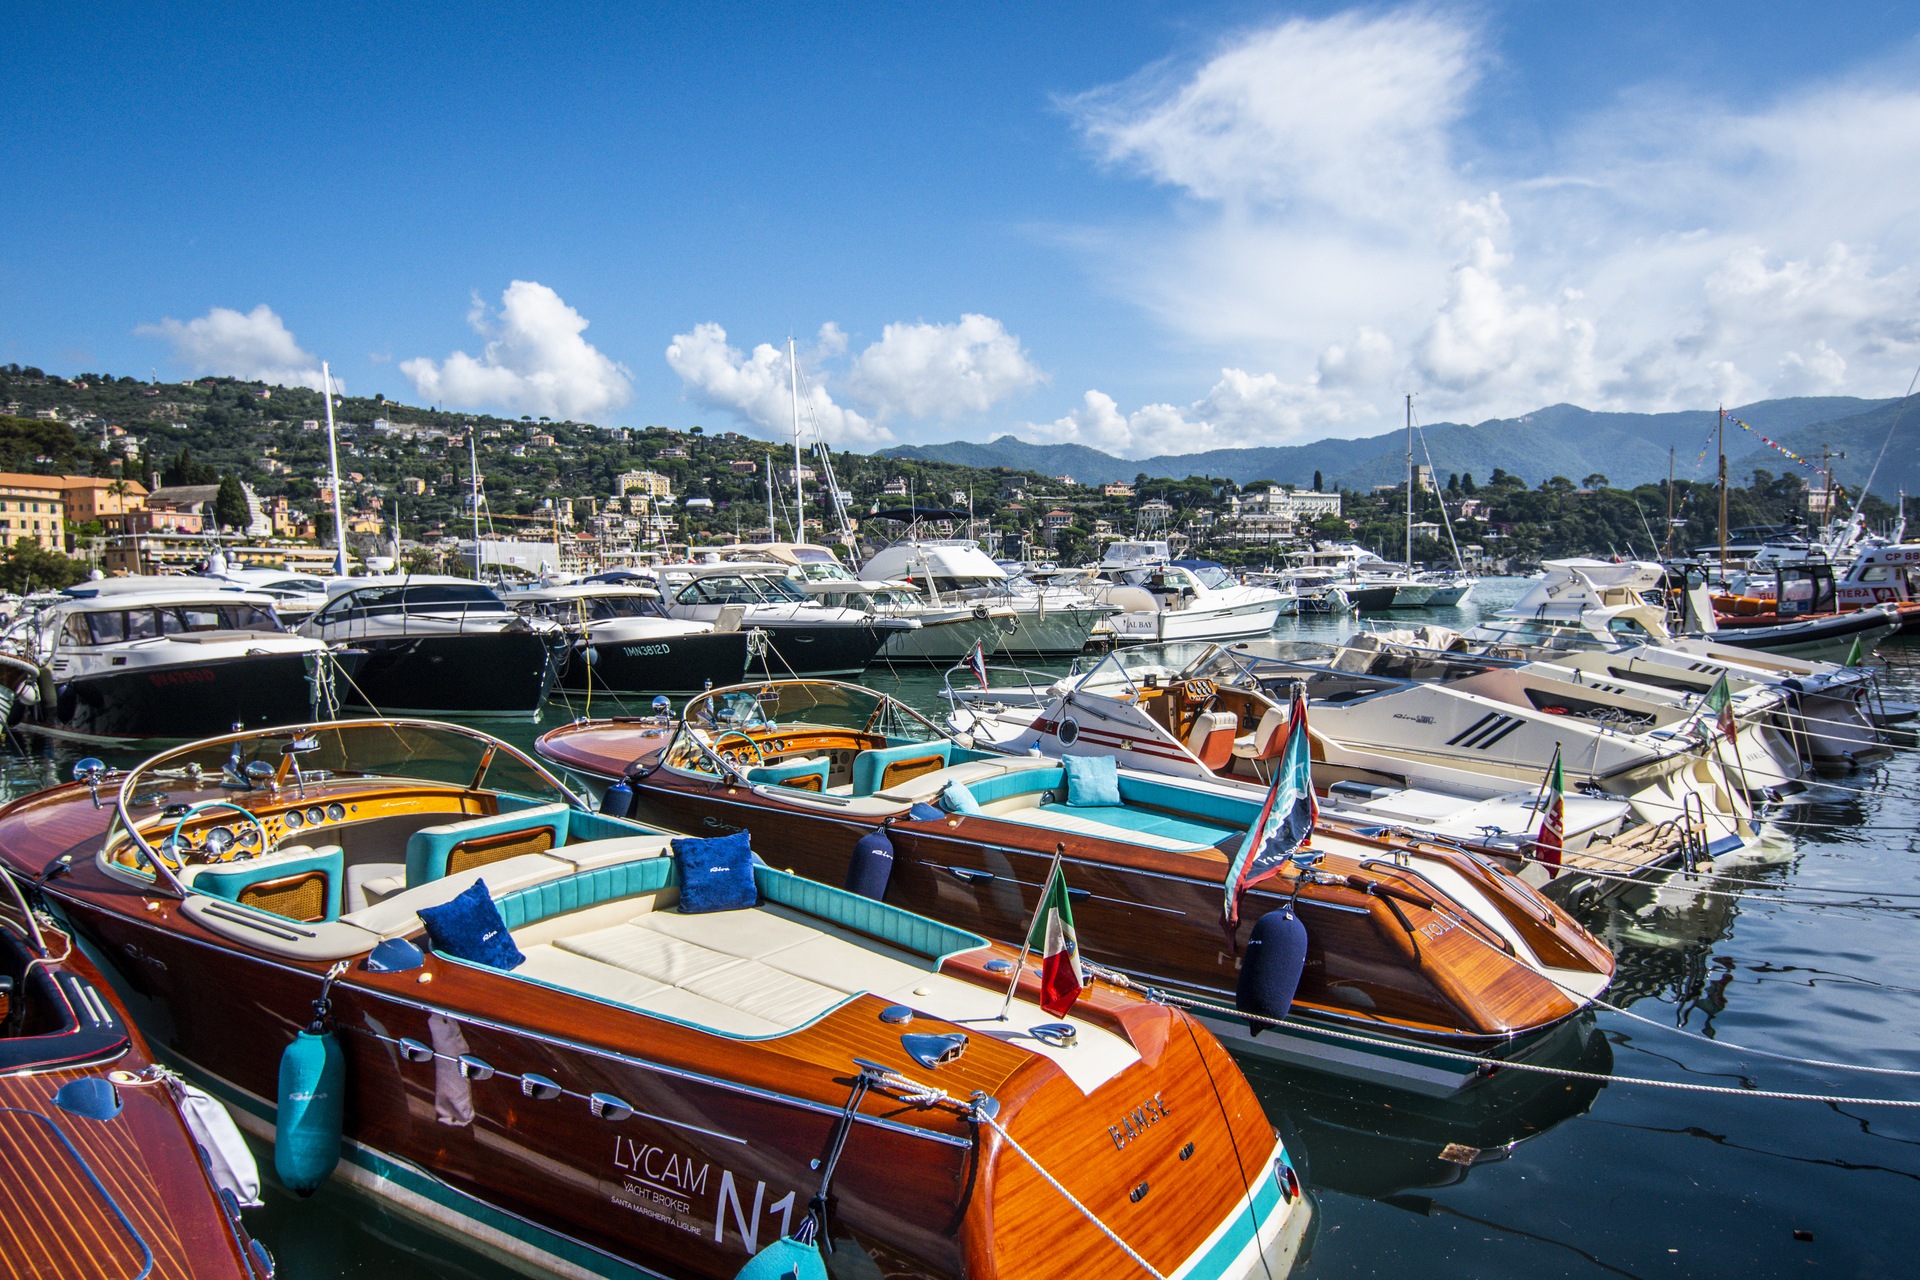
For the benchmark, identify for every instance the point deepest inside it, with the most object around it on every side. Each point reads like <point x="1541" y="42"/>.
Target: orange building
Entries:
<point x="33" y="507"/>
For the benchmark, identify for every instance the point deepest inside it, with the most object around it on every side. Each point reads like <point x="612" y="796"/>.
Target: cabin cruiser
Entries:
<point x="1205" y="716"/>
<point x="948" y="631"/>
<point x="803" y="635"/>
<point x="1370" y="583"/>
<point x="115" y="1166"/>
<point x="610" y="1074"/>
<point x="810" y="767"/>
<point x="1051" y="622"/>
<point x="142" y="659"/>
<point x="437" y="645"/>
<point x="1191" y="600"/>
<point x="620" y="642"/>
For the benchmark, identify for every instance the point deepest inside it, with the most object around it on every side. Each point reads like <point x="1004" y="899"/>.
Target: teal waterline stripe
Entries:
<point x="1246" y="1227"/>
<point x="430" y="1188"/>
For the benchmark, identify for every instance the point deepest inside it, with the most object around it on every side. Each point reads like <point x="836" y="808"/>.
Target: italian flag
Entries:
<point x="1548" y="845"/>
<point x="1061" y="977"/>
<point x="1720" y="702"/>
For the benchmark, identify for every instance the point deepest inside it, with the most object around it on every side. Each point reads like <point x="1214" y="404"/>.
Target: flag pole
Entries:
<point x="1026" y="942"/>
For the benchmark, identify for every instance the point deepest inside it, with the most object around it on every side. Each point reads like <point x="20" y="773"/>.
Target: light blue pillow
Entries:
<point x="1092" y="780"/>
<point x="957" y="799"/>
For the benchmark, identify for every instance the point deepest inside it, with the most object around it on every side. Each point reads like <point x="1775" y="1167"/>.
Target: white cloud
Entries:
<point x="916" y="371"/>
<point x="941" y="370"/>
<point x="1241" y="409"/>
<point x="536" y="361"/>
<point x="255" y="345"/>
<point x="756" y="387"/>
<point x="1339" y="222"/>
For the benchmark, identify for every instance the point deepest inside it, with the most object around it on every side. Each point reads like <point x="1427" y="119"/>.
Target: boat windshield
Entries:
<point x="252" y="770"/>
<point x="1213" y="577"/>
<point x="815" y="704"/>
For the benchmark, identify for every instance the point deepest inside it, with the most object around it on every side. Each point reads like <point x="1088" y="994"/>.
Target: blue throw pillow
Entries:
<point x="1092" y="780"/>
<point x="470" y="928"/>
<point x="715" y="874"/>
<point x="957" y="799"/>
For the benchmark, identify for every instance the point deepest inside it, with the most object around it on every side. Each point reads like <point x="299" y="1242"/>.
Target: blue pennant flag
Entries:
<point x="1285" y="824"/>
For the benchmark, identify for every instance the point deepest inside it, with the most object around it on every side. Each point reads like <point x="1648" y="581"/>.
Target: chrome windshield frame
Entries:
<point x="125" y="824"/>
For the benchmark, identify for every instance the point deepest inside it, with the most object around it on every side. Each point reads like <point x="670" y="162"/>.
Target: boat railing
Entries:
<point x="1028" y="682"/>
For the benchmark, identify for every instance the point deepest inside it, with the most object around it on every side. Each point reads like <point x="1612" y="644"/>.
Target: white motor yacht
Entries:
<point x="143" y="659"/>
<point x="440" y="644"/>
<point x="1049" y="622"/>
<point x="1191" y="600"/>
<point x="804" y="636"/>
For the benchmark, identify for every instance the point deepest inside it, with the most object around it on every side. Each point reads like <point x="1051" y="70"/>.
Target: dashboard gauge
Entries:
<point x="336" y="812"/>
<point x="219" y="840"/>
<point x="295" y="819"/>
<point x="316" y="815"/>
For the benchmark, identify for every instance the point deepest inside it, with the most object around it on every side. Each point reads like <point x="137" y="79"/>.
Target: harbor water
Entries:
<point x="1808" y="949"/>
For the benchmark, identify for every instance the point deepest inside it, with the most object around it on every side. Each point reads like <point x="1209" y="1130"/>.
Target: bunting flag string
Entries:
<point x="1771" y="443"/>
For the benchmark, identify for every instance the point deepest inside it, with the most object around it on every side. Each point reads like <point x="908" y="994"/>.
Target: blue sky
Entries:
<point x="1142" y="226"/>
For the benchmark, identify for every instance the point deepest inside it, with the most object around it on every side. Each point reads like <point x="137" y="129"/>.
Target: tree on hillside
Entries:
<point x="1594" y="481"/>
<point x="1319" y="485"/>
<point x="27" y="566"/>
<point x="230" y="510"/>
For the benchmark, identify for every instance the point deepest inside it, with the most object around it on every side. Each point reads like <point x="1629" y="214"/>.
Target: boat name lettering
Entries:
<point x="1401" y="715"/>
<point x="658" y="1165"/>
<point x="166" y="678"/>
<point x="1436" y="929"/>
<point x="645" y="650"/>
<point x="1137" y="1121"/>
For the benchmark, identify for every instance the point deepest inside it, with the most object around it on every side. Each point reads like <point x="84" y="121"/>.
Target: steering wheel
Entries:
<point x="204" y="805"/>
<point x="759" y="756"/>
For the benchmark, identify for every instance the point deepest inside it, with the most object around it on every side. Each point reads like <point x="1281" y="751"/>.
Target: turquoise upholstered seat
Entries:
<point x="586" y="889"/>
<point x="1149" y="822"/>
<point x="787" y="772"/>
<point x="231" y="883"/>
<point x="870" y="767"/>
<point x="429" y="848"/>
<point x="1017" y="783"/>
<point x="1233" y="812"/>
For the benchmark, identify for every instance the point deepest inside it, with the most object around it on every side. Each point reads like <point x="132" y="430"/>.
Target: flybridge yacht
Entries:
<point x="1204" y="718"/>
<point x="141" y="659"/>
<point x="948" y="630"/>
<point x="1049" y="622"/>
<point x="622" y="644"/>
<point x="803" y="635"/>
<point x="437" y="644"/>
<point x="1190" y="600"/>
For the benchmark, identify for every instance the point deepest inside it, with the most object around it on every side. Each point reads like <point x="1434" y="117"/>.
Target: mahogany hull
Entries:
<point x="99" y="1199"/>
<point x="1156" y="916"/>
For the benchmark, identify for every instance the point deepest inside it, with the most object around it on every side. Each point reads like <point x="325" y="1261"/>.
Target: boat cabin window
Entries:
<point x="1877" y="573"/>
<point x="1628" y="627"/>
<point x="727" y="589"/>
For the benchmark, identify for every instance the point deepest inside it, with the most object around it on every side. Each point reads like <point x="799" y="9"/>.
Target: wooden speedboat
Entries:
<point x="1409" y="944"/>
<point x="649" y="1092"/>
<point x="103" y="1175"/>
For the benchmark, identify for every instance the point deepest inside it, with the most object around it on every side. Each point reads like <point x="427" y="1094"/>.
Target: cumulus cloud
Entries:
<point x="1337" y="216"/>
<point x="916" y="371"/>
<point x="756" y="387"/>
<point x="1241" y="409"/>
<point x="535" y="361"/>
<point x="255" y="345"/>
<point x="926" y="370"/>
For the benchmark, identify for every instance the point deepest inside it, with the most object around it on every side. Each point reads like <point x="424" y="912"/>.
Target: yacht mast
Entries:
<point x="799" y="489"/>
<point x="333" y="461"/>
<point x="473" y="473"/>
<point x="1666" y="546"/>
<point x="773" y="534"/>
<point x="1409" y="484"/>
<point x="1723" y="493"/>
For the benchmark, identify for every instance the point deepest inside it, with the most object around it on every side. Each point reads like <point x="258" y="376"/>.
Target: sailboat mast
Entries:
<point x="333" y="462"/>
<point x="1723" y="492"/>
<point x="1666" y="545"/>
<point x="773" y="534"/>
<point x="473" y="474"/>
<point x="799" y="489"/>
<point x="1409" y="483"/>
